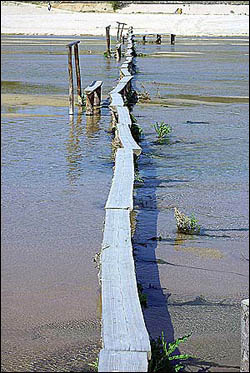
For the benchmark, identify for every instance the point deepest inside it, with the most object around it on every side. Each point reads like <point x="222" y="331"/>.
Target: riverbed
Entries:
<point x="56" y="176"/>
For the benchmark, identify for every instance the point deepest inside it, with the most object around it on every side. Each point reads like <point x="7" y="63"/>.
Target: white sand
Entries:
<point x="196" y="20"/>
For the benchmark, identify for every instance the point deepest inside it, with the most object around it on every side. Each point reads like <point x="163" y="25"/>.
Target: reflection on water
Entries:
<point x="92" y="124"/>
<point x="74" y="153"/>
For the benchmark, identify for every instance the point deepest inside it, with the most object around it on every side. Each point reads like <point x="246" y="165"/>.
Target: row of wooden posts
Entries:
<point x="159" y="39"/>
<point x="92" y="92"/>
<point x="93" y="97"/>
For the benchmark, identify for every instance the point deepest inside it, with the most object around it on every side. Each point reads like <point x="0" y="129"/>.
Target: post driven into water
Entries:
<point x="70" y="70"/>
<point x="108" y="40"/>
<point x="172" y="39"/>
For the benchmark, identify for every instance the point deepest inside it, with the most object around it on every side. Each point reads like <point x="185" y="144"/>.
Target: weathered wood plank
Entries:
<point x="122" y="84"/>
<point x="122" y="361"/>
<point x="123" y="326"/>
<point x="93" y="86"/>
<point x="124" y="115"/>
<point x="116" y="100"/>
<point x="127" y="139"/>
<point x="121" y="192"/>
<point x="124" y="72"/>
<point x="73" y="43"/>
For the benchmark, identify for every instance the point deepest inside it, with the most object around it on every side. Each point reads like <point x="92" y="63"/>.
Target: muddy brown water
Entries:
<point x="56" y="175"/>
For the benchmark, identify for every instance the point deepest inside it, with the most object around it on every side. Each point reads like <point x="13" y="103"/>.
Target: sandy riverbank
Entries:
<point x="195" y="20"/>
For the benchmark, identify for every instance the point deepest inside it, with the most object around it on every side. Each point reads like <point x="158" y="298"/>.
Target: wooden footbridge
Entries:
<point x="126" y="345"/>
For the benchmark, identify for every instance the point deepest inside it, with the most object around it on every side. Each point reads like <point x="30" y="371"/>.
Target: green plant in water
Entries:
<point x="162" y="129"/>
<point x="136" y="132"/>
<point x="94" y="365"/>
<point x="138" y="179"/>
<point x="142" y="297"/>
<point x="162" y="355"/>
<point x="186" y="224"/>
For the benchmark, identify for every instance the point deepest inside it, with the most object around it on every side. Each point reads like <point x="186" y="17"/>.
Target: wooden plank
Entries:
<point x="73" y="43"/>
<point x="122" y="361"/>
<point x="124" y="115"/>
<point x="123" y="326"/>
<point x="129" y="59"/>
<point x="116" y="100"/>
<point x="121" y="192"/>
<point x="93" y="86"/>
<point x="127" y="139"/>
<point x="122" y="84"/>
<point x="129" y="52"/>
<point x="125" y="72"/>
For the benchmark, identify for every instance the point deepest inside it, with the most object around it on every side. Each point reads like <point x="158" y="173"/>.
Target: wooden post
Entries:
<point x="244" y="367"/>
<point x="173" y="39"/>
<point x="78" y="75"/>
<point x="108" y="40"/>
<point x="71" y="87"/>
<point x="158" y="39"/>
<point x="122" y="31"/>
<point x="118" y="52"/>
<point x="97" y="100"/>
<point x="118" y="32"/>
<point x="89" y="104"/>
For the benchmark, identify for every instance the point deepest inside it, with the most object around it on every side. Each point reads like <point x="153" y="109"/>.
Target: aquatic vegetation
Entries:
<point x="106" y="54"/>
<point x="162" y="129"/>
<point x="142" y="297"/>
<point x="185" y="224"/>
<point x="144" y="96"/>
<point x="94" y="365"/>
<point x="162" y="355"/>
<point x="136" y="131"/>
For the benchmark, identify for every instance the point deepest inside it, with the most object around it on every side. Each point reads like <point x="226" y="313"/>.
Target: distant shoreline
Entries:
<point x="196" y="20"/>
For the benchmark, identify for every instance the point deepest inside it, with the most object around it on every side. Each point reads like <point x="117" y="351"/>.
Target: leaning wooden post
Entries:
<point x="173" y="39"/>
<point x="108" y="40"/>
<point x="78" y="74"/>
<point x="71" y="87"/>
<point x="244" y="366"/>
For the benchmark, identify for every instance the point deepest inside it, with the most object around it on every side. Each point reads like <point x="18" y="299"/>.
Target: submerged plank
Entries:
<point x="121" y="192"/>
<point x="122" y="361"/>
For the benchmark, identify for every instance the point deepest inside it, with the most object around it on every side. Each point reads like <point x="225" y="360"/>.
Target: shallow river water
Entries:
<point x="56" y="176"/>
